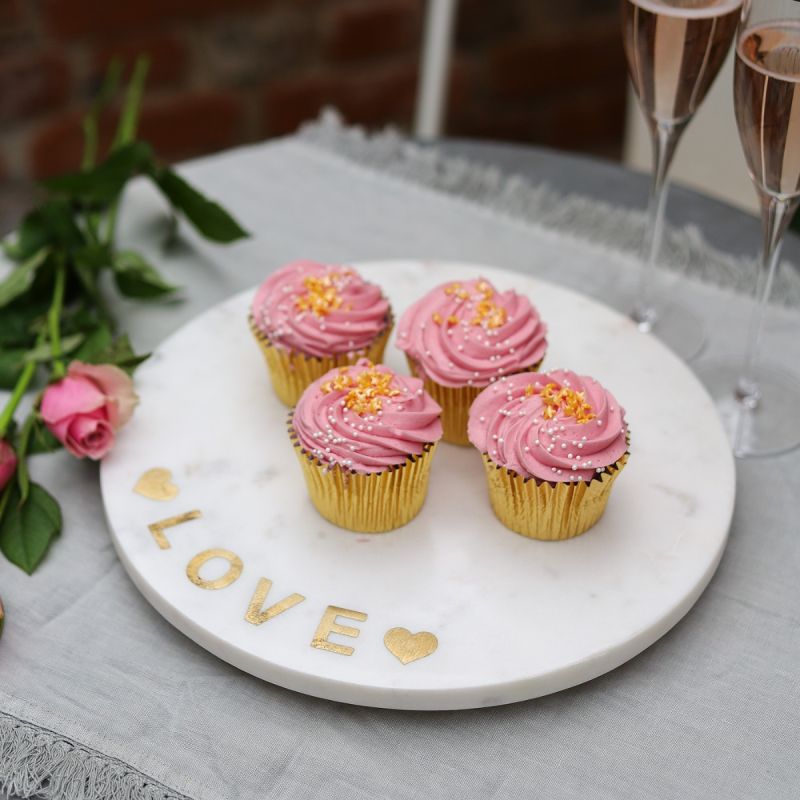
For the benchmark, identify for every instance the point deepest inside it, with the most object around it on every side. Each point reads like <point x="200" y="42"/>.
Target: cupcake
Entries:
<point x="309" y="318"/>
<point x="365" y="437"/>
<point x="553" y="444"/>
<point x="464" y="335"/>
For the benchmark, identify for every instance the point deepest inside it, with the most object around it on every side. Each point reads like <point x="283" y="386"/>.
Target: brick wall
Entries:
<point x="230" y="71"/>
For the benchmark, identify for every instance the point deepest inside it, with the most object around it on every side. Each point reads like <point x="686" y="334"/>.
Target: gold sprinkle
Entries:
<point x="457" y="290"/>
<point x="365" y="392"/>
<point x="489" y="314"/>
<point x="436" y="317"/>
<point x="322" y="294"/>
<point x="568" y="401"/>
<point x="452" y="320"/>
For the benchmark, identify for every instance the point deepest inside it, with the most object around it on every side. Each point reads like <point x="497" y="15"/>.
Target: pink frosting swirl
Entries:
<point x="366" y="418"/>
<point x="319" y="309"/>
<point x="467" y="333"/>
<point x="556" y="426"/>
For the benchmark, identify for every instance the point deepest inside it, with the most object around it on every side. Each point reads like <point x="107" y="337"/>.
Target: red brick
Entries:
<point x="361" y="30"/>
<point x="168" y="58"/>
<point x="73" y="19"/>
<point x="192" y="125"/>
<point x="179" y="127"/>
<point x="374" y="97"/>
<point x="30" y="85"/>
<point x="588" y="121"/>
<point x="535" y="64"/>
<point x="592" y="120"/>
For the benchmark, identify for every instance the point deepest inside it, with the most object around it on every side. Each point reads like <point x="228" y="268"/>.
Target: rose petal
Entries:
<point x="8" y="462"/>
<point x="70" y="396"/>
<point x="115" y="384"/>
<point x="89" y="436"/>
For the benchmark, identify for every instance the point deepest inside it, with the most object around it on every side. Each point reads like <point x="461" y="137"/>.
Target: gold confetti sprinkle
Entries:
<point x="489" y="314"/>
<point x="568" y="401"/>
<point x="365" y="392"/>
<point x="322" y="294"/>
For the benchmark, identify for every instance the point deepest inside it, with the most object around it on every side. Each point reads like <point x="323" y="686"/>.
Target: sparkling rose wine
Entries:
<point x="675" y="49"/>
<point x="767" y="103"/>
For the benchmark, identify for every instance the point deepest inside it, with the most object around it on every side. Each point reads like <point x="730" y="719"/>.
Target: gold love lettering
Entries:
<point x="256" y="616"/>
<point x="329" y="625"/>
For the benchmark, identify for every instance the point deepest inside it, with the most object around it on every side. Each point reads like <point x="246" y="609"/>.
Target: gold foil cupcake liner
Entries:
<point x="291" y="372"/>
<point x="376" y="502"/>
<point x="548" y="511"/>
<point x="455" y="403"/>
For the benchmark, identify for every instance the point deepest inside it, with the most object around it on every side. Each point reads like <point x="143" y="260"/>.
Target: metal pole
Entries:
<point x="432" y="86"/>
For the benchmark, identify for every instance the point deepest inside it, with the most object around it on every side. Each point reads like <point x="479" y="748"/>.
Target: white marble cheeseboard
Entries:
<point x="254" y="575"/>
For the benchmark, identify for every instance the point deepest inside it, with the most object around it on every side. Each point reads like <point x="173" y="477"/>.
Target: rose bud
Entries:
<point x="85" y="409"/>
<point x="8" y="463"/>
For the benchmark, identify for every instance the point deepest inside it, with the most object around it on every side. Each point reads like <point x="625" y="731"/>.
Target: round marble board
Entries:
<point x="210" y="517"/>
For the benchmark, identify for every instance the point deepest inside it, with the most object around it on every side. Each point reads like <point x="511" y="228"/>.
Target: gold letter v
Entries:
<point x="255" y="616"/>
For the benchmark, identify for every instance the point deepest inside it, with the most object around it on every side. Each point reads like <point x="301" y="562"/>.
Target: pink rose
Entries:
<point x="8" y="463"/>
<point x="86" y="408"/>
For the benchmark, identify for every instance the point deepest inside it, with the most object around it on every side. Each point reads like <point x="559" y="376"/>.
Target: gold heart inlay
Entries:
<point x="156" y="484"/>
<point x="407" y="647"/>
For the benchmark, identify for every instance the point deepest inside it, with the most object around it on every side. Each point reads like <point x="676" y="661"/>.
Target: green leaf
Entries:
<point x="27" y="529"/>
<point x="21" y="277"/>
<point x="119" y="352"/>
<point x="59" y="220"/>
<point x="11" y="366"/>
<point x="42" y="441"/>
<point x="103" y="183"/>
<point x="18" y="323"/>
<point x="94" y="256"/>
<point x="88" y="279"/>
<point x="97" y="341"/>
<point x="208" y="217"/>
<point x="43" y="351"/>
<point x="51" y="224"/>
<point x="31" y="236"/>
<point x="135" y="277"/>
<point x="126" y="131"/>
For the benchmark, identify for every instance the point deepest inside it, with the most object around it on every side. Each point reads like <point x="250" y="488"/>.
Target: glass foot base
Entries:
<point x="773" y="425"/>
<point x="677" y="327"/>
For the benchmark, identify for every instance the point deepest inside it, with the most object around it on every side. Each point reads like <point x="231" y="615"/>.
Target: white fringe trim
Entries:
<point x="37" y="762"/>
<point x="684" y="250"/>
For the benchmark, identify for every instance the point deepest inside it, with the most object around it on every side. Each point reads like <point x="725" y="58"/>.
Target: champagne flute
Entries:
<point x="759" y="403"/>
<point x="675" y="49"/>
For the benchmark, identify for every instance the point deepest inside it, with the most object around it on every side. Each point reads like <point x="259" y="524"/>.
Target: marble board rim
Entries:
<point x="406" y="690"/>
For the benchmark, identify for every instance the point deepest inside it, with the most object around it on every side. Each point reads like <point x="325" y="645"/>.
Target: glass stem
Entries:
<point x="665" y="140"/>
<point x="775" y="216"/>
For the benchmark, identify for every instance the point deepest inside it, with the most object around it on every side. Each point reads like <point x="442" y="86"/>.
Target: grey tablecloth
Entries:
<point x="100" y="697"/>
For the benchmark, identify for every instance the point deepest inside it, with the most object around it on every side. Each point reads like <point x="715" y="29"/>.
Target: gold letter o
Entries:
<point x="234" y="570"/>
